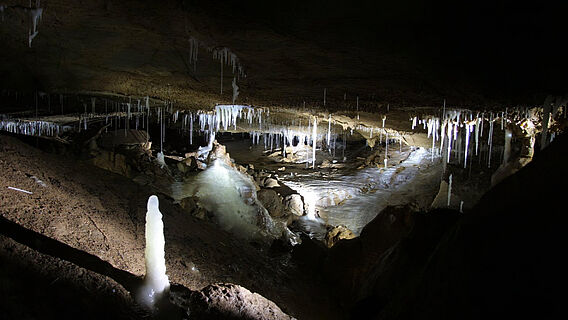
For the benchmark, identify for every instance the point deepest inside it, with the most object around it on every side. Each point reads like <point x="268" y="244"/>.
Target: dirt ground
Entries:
<point x="103" y="215"/>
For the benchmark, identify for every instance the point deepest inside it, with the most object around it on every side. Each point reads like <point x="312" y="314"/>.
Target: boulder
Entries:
<point x="231" y="301"/>
<point x="270" y="183"/>
<point x="294" y="204"/>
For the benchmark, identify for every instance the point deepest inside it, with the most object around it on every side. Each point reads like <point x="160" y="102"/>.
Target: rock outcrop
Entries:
<point x="230" y="301"/>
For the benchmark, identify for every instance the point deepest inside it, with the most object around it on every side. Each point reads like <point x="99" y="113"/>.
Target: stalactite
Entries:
<point x="449" y="190"/>
<point x="507" y="146"/>
<point x="490" y="139"/>
<point x="467" y="132"/>
<point x="314" y="137"/>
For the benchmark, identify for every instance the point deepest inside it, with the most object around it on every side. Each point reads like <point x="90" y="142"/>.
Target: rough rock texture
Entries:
<point x="334" y="234"/>
<point x="230" y="301"/>
<point x="294" y="204"/>
<point x="36" y="285"/>
<point x="270" y="183"/>
<point x="219" y="151"/>
<point x="113" y="162"/>
<point x="272" y="202"/>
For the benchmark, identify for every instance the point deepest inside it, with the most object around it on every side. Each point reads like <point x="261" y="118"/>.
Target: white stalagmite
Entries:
<point x="156" y="281"/>
<point x="160" y="159"/>
<point x="386" y="147"/>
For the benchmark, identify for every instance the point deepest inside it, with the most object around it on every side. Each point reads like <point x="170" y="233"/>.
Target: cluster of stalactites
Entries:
<point x="227" y="115"/>
<point x="33" y="128"/>
<point x="226" y="56"/>
<point x="448" y="128"/>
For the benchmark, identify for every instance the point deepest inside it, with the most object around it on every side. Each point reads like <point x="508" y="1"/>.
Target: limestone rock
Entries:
<point x="188" y="204"/>
<point x="270" y="183"/>
<point x="294" y="204"/>
<point x="190" y="163"/>
<point x="441" y="199"/>
<point x="272" y="202"/>
<point x="110" y="140"/>
<point x="219" y="151"/>
<point x="112" y="161"/>
<point x="230" y="301"/>
<point x="337" y="233"/>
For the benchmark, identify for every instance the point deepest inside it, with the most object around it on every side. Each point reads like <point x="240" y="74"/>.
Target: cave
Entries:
<point x="185" y="159"/>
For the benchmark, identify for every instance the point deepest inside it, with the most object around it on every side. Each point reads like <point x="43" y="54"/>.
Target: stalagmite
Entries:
<point x="156" y="282"/>
<point x="386" y="148"/>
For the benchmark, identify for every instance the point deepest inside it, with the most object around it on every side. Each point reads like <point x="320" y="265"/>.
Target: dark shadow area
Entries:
<point x="60" y="250"/>
<point x="45" y="245"/>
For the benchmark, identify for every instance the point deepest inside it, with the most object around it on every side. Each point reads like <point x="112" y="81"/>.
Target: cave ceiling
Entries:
<point x="404" y="53"/>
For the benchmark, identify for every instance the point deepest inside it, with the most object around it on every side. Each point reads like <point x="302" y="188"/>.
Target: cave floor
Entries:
<point x="102" y="215"/>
